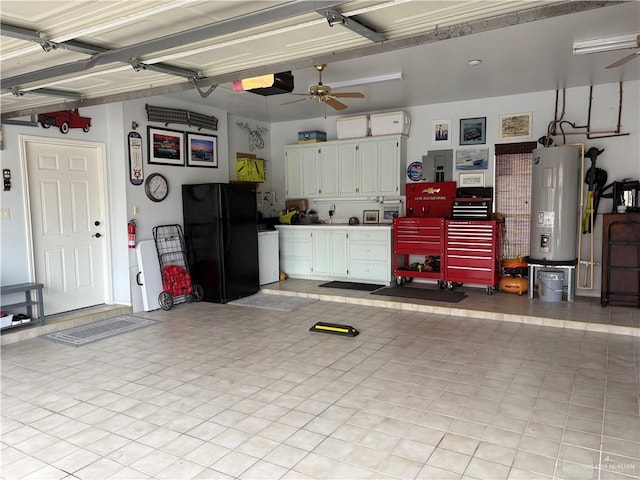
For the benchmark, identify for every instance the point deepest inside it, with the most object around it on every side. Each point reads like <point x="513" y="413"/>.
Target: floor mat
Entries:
<point x="283" y="303"/>
<point x="365" y="287"/>
<point x="92" y="332"/>
<point x="421" y="293"/>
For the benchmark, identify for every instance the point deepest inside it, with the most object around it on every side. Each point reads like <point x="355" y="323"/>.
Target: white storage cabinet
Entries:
<point x="358" y="253"/>
<point x="295" y="251"/>
<point x="347" y="168"/>
<point x="330" y="252"/>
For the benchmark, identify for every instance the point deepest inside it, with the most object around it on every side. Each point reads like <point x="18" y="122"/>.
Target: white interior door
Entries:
<point x="66" y="196"/>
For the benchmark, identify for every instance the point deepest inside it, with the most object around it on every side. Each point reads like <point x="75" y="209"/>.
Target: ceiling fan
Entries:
<point x="629" y="57"/>
<point x="322" y="93"/>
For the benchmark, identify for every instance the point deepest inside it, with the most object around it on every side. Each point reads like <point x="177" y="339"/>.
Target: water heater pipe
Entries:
<point x="589" y="264"/>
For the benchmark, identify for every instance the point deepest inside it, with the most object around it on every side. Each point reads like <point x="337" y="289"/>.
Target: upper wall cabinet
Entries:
<point x="361" y="167"/>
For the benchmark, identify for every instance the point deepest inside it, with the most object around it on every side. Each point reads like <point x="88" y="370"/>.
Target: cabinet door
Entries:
<point x="367" y="168"/>
<point x="295" y="251"/>
<point x="389" y="167"/>
<point x="310" y="179"/>
<point x="328" y="166"/>
<point x="347" y="169"/>
<point x="329" y="252"/>
<point x="321" y="252"/>
<point x="339" y="263"/>
<point x="293" y="172"/>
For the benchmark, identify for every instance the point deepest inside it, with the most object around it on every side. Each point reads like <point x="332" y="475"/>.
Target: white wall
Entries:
<point x="621" y="158"/>
<point x="111" y="124"/>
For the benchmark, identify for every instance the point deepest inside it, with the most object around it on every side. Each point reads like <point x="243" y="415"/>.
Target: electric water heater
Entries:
<point x="554" y="205"/>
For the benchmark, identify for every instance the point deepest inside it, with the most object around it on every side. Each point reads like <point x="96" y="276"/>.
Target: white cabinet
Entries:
<point x="358" y="253"/>
<point x="367" y="167"/>
<point x="301" y="171"/>
<point x="369" y="255"/>
<point x="328" y="161"/>
<point x="391" y="164"/>
<point x="330" y="252"/>
<point x="295" y="251"/>
<point x="347" y="168"/>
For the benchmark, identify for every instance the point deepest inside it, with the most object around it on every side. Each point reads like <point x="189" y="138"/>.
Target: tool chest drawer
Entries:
<point x="473" y="251"/>
<point x="418" y="236"/>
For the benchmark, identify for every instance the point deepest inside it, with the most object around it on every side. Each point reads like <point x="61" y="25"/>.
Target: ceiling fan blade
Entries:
<point x="298" y="100"/>
<point x="347" y="95"/>
<point x="335" y="104"/>
<point x="624" y="60"/>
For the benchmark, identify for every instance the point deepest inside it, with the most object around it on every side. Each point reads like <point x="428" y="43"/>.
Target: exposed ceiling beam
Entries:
<point x="454" y="31"/>
<point x="89" y="49"/>
<point x="335" y="18"/>
<point x="194" y="35"/>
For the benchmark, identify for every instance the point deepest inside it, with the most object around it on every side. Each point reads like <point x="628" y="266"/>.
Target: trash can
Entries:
<point x="550" y="285"/>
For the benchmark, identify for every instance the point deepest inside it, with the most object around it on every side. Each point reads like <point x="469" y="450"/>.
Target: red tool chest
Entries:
<point x="418" y="236"/>
<point x="469" y="251"/>
<point x="473" y="252"/>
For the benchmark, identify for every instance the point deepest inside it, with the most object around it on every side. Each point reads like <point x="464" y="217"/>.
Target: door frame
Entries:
<point x="101" y="153"/>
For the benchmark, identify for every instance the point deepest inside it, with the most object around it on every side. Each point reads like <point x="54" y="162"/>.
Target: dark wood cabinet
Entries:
<point x="621" y="259"/>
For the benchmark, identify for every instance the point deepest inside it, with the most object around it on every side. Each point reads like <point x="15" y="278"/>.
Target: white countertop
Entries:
<point x="385" y="226"/>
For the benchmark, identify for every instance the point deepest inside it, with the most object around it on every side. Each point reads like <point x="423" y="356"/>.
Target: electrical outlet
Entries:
<point x="5" y="214"/>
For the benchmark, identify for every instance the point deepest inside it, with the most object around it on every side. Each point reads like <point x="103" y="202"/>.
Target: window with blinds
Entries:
<point x="512" y="192"/>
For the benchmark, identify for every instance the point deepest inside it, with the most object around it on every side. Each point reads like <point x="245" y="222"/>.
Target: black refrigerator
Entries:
<point x="221" y="235"/>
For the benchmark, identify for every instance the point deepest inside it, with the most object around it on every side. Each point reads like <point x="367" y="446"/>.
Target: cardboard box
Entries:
<point x="353" y="127"/>
<point x="312" y="136"/>
<point x="391" y="123"/>
<point x="250" y="170"/>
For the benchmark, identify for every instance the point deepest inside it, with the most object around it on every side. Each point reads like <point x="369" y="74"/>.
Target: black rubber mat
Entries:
<point x="365" y="287"/>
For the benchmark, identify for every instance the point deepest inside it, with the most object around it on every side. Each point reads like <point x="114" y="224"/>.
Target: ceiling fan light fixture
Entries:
<point x="605" y="44"/>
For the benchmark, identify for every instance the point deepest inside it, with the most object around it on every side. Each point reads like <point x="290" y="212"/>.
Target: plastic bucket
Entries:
<point x="550" y="285"/>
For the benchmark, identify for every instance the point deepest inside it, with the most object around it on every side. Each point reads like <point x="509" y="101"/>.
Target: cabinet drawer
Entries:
<point x="368" y="251"/>
<point x="380" y="272"/>
<point x="294" y="234"/>
<point x="359" y="235"/>
<point x="482" y="276"/>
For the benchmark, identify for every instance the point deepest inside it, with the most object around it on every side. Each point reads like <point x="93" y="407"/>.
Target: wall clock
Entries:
<point x="156" y="187"/>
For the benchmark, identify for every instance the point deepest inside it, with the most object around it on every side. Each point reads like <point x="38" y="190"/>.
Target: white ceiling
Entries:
<point x="523" y="56"/>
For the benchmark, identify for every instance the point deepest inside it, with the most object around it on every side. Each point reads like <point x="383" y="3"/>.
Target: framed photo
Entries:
<point x="475" y="179"/>
<point x="166" y="147"/>
<point x="472" y="159"/>
<point x="516" y="125"/>
<point x="390" y="210"/>
<point x="202" y="150"/>
<point x="473" y="131"/>
<point x="370" y="216"/>
<point x="441" y="132"/>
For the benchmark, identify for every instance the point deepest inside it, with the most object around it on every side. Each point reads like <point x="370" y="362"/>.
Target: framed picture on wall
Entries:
<point x="473" y="131"/>
<point x="441" y="132"/>
<point x="166" y="147"/>
<point x="370" y="216"/>
<point x="515" y="125"/>
<point x="475" y="179"/>
<point x="202" y="150"/>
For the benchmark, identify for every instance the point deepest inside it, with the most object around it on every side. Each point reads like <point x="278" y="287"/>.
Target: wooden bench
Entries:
<point x="27" y="289"/>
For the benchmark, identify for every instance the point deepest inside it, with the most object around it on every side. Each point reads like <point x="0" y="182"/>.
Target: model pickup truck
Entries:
<point x="65" y="119"/>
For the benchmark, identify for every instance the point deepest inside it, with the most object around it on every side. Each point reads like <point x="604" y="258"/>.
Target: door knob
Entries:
<point x="97" y="235"/>
<point x="96" y="223"/>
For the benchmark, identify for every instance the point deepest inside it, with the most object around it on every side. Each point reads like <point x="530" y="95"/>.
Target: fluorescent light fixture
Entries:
<point x="366" y="80"/>
<point x="605" y="44"/>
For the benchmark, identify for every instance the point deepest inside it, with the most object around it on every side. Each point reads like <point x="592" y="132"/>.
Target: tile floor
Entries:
<point x="222" y="391"/>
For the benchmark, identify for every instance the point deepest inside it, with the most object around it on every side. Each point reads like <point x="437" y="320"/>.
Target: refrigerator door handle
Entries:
<point x="227" y="220"/>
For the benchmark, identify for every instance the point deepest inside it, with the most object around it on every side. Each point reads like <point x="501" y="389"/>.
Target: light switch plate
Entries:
<point x="5" y="214"/>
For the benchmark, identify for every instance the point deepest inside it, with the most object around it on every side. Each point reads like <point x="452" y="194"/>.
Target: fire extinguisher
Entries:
<point x="131" y="228"/>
